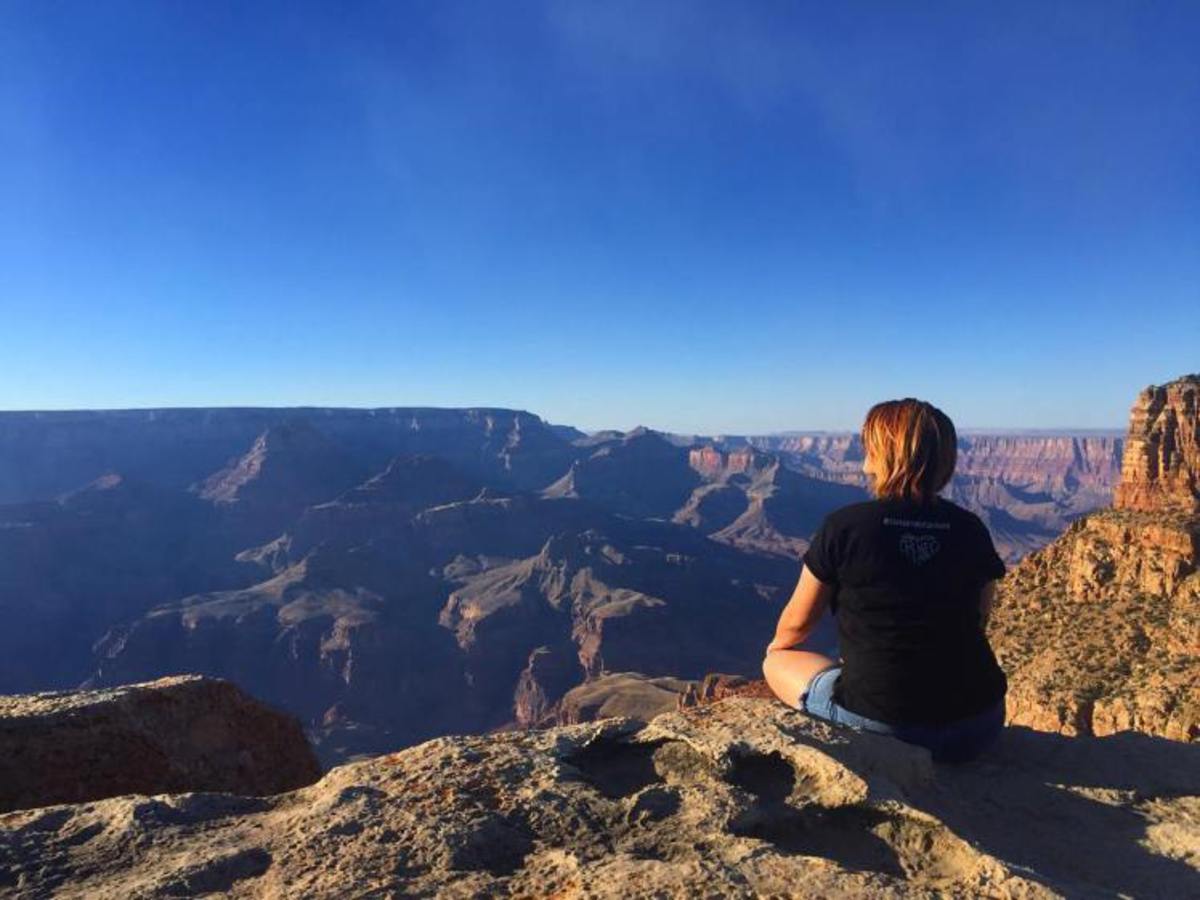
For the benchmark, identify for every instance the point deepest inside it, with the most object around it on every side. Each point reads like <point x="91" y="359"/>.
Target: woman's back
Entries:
<point x="907" y="577"/>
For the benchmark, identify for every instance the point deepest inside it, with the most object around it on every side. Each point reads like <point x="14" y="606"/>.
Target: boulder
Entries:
<point x="173" y="735"/>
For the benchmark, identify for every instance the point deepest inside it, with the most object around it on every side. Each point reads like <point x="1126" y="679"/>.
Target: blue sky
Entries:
<point x="699" y="216"/>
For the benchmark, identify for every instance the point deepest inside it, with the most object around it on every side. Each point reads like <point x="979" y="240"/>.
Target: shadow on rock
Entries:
<point x="1077" y="803"/>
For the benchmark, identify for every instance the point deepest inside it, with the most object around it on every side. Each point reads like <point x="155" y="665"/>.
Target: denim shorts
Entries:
<point x="956" y="741"/>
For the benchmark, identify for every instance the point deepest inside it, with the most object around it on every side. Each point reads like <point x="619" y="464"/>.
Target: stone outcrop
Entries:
<point x="741" y="798"/>
<point x="719" y="685"/>
<point x="549" y="674"/>
<point x="1160" y="471"/>
<point x="167" y="736"/>
<point x="624" y="695"/>
<point x="1100" y="630"/>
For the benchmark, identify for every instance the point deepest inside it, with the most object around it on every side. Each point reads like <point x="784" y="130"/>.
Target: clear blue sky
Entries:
<point x="699" y="216"/>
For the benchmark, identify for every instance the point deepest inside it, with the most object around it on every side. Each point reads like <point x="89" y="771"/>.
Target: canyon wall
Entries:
<point x="1027" y="487"/>
<point x="1100" y="630"/>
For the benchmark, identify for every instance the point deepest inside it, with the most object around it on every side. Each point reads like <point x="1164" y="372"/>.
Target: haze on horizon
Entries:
<point x="701" y="217"/>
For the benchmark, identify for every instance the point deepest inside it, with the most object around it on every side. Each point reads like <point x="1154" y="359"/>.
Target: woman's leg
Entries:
<point x="788" y="672"/>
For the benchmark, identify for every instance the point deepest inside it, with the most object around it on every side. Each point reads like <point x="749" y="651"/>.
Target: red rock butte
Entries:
<point x="1160" y="471"/>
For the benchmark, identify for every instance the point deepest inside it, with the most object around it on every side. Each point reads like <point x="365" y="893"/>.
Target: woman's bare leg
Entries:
<point x="788" y="672"/>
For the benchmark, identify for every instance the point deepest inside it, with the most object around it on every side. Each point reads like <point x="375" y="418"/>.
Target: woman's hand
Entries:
<point x="802" y="613"/>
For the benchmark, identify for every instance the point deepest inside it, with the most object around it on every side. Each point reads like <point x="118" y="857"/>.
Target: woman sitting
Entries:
<point x="910" y="578"/>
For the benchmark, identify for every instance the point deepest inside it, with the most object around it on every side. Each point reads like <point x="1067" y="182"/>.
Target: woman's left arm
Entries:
<point x="803" y="611"/>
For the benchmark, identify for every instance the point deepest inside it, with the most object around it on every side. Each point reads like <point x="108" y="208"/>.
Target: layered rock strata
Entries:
<point x="1160" y="471"/>
<point x="1026" y="487"/>
<point x="1100" y="631"/>
<point x="167" y="736"/>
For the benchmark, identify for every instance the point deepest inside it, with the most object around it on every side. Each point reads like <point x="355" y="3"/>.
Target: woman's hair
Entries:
<point x="913" y="447"/>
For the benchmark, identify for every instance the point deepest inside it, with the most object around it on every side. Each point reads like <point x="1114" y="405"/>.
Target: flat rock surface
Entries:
<point x="740" y="798"/>
<point x="184" y="733"/>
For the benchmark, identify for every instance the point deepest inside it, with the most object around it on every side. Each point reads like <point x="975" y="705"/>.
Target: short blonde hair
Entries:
<point x="913" y="447"/>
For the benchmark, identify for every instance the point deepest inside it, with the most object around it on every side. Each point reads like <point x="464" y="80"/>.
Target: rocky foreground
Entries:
<point x="739" y="798"/>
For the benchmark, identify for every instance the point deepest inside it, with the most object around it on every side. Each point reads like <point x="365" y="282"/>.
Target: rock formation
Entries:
<point x="741" y="798"/>
<point x="622" y="695"/>
<point x="641" y="474"/>
<point x="168" y="736"/>
<point x="719" y="685"/>
<point x="1100" y="630"/>
<point x="1160" y="471"/>
<point x="751" y="500"/>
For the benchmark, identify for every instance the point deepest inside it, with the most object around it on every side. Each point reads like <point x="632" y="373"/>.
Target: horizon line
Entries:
<point x="715" y="433"/>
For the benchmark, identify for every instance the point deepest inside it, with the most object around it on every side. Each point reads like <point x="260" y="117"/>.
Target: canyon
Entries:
<point x="592" y="639"/>
<point x="392" y="575"/>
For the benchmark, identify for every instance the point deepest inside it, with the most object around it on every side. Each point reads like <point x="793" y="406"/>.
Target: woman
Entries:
<point x="910" y="577"/>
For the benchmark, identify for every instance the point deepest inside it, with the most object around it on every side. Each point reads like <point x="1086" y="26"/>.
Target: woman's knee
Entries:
<point x="788" y="672"/>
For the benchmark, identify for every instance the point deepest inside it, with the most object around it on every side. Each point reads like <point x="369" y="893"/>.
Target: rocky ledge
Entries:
<point x="177" y="734"/>
<point x="739" y="798"/>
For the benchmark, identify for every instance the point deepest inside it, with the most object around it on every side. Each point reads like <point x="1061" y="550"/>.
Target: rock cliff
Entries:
<point x="1100" y="630"/>
<point x="741" y="798"/>
<point x="1160" y="471"/>
<point x="176" y="734"/>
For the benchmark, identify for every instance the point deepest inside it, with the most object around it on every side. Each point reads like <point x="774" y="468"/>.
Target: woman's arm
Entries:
<point x="802" y="612"/>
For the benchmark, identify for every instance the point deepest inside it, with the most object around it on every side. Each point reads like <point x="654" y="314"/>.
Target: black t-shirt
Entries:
<point x="907" y="579"/>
